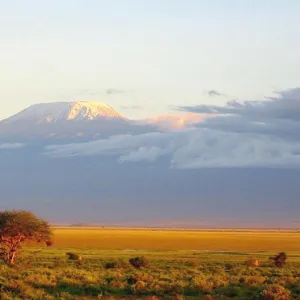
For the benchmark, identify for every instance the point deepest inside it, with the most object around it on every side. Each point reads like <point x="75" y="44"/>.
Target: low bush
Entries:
<point x="139" y="262"/>
<point x="49" y="243"/>
<point x="279" y="260"/>
<point x="116" y="264"/>
<point x="275" y="292"/>
<point x="74" y="256"/>
<point x="252" y="263"/>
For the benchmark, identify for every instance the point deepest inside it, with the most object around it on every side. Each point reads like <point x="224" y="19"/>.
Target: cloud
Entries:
<point x="277" y="116"/>
<point x="132" y="107"/>
<point x="115" y="145"/>
<point x="176" y="121"/>
<point x="285" y="106"/>
<point x="200" y="148"/>
<point x="94" y="92"/>
<point x="214" y="93"/>
<point x="11" y="146"/>
<point x="146" y="154"/>
<point x="114" y="91"/>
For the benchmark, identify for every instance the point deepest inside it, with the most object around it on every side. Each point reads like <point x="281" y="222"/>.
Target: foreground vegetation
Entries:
<point x="204" y="272"/>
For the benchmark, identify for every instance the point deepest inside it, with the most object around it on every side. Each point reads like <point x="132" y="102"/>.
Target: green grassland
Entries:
<point x="183" y="264"/>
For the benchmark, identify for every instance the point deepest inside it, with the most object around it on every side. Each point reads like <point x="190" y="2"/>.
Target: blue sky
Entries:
<point x="153" y="54"/>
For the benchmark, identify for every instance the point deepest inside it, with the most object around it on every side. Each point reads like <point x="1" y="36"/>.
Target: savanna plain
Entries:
<point x="126" y="263"/>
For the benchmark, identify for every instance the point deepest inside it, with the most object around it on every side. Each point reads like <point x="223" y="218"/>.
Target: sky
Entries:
<point x="146" y="57"/>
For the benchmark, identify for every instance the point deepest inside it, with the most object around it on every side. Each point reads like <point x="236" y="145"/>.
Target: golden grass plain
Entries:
<point x="166" y="239"/>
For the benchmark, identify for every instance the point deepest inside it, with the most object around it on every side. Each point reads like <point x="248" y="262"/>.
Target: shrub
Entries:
<point x="139" y="262"/>
<point x="275" y="292"/>
<point x="229" y="267"/>
<point x="252" y="263"/>
<point x="178" y="297"/>
<point x="116" y="264"/>
<point x="139" y="287"/>
<point x="203" y="284"/>
<point x="232" y="291"/>
<point x="279" y="260"/>
<point x="49" y="243"/>
<point x="74" y="256"/>
<point x="255" y="280"/>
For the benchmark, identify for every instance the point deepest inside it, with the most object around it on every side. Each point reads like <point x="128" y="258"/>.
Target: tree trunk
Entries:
<point x="12" y="257"/>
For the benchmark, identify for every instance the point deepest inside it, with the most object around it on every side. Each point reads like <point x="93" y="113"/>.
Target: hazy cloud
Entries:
<point x="95" y="92"/>
<point x="132" y="107"/>
<point x="114" y="91"/>
<point x="146" y="154"/>
<point x="11" y="146"/>
<point x="214" y="93"/>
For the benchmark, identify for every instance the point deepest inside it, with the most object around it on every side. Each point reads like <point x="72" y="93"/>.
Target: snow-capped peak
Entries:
<point x="66" y="111"/>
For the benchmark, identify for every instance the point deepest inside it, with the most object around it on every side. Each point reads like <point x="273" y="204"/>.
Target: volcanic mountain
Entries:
<point x="66" y="111"/>
<point x="67" y="121"/>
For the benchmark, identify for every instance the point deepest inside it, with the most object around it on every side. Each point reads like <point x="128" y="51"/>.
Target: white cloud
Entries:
<point x="147" y="154"/>
<point x="209" y="149"/>
<point x="11" y="146"/>
<point x="200" y="148"/>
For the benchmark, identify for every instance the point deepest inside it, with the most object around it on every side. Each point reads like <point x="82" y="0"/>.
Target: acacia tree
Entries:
<point x="17" y="227"/>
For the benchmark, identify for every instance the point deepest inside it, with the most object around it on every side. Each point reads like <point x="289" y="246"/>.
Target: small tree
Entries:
<point x="279" y="260"/>
<point x="17" y="227"/>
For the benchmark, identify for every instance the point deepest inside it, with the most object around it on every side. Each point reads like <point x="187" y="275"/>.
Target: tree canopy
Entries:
<point x="17" y="227"/>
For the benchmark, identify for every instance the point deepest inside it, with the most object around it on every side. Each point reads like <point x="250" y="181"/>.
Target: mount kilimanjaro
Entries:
<point x="66" y="111"/>
<point x="67" y="121"/>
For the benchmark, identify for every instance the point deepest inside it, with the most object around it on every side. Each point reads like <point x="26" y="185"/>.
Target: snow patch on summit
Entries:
<point x="66" y="111"/>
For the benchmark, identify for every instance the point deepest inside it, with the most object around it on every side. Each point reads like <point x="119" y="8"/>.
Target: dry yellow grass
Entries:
<point x="177" y="239"/>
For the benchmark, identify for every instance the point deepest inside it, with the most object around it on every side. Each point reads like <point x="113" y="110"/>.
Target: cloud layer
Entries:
<point x="276" y="116"/>
<point x="200" y="148"/>
<point x="243" y="134"/>
<point x="6" y="146"/>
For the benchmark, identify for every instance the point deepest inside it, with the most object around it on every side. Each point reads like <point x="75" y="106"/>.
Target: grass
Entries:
<point x="191" y="264"/>
<point x="177" y="239"/>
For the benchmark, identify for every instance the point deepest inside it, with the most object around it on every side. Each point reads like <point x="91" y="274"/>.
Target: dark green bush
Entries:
<point x="74" y="256"/>
<point x="139" y="262"/>
<point x="116" y="264"/>
<point x="279" y="260"/>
